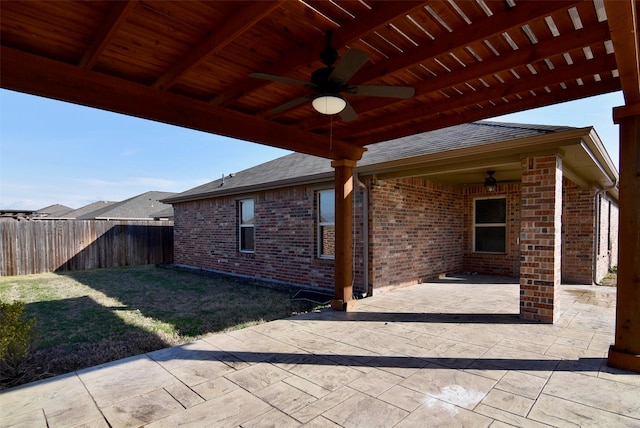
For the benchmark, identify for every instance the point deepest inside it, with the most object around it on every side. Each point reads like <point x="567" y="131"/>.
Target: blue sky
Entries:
<point x="54" y="152"/>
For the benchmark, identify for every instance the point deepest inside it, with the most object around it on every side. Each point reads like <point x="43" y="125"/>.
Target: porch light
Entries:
<point x="490" y="182"/>
<point x="329" y="104"/>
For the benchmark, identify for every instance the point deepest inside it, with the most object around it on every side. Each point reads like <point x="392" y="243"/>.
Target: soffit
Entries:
<point x="583" y="159"/>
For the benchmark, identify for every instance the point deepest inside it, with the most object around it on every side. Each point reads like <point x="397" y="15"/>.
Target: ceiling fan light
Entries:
<point x="329" y="104"/>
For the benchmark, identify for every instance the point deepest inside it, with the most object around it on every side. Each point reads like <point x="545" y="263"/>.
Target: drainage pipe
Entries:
<point x="365" y="233"/>
<point x="596" y="248"/>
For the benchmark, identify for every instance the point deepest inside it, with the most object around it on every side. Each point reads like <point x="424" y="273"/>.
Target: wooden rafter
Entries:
<point x="215" y="42"/>
<point x="496" y="24"/>
<point x="381" y="14"/>
<point x="545" y="49"/>
<point x="536" y="83"/>
<point x="107" y="29"/>
<point x="488" y="111"/>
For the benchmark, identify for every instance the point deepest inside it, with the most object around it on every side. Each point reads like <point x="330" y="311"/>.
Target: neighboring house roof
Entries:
<point x="87" y="209"/>
<point x="140" y="207"/>
<point x="165" y="213"/>
<point x="476" y="143"/>
<point x="56" y="210"/>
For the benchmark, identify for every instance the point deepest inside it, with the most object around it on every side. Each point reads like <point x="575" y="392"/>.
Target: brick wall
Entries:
<point x="360" y="284"/>
<point x="578" y="225"/>
<point x="613" y="233"/>
<point x="607" y="242"/>
<point x="417" y="231"/>
<point x="206" y="236"/>
<point x="582" y="212"/>
<point x="507" y="264"/>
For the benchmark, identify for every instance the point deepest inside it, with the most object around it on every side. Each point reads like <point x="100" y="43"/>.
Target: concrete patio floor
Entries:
<point x="446" y="353"/>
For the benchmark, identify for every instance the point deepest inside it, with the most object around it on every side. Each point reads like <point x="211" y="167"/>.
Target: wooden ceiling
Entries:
<point x="188" y="62"/>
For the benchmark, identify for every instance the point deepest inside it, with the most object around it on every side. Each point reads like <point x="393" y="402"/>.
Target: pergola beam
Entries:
<point x="40" y="76"/>
<point x="624" y="26"/>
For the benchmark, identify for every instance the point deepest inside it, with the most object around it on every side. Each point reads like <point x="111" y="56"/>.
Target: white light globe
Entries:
<point x="329" y="104"/>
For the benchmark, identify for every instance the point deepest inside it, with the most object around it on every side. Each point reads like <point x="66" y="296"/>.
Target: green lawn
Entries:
<point x="90" y="317"/>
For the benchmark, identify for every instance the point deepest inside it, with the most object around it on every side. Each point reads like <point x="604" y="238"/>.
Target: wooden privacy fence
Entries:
<point x="37" y="246"/>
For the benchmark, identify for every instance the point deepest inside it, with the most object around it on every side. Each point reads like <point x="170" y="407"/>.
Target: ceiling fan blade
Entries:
<point x="348" y="66"/>
<point x="348" y="114"/>
<point x="281" y="79"/>
<point x="289" y="105"/>
<point x="382" y="91"/>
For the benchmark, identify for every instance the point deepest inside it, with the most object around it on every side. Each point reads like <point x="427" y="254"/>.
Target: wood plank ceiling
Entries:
<point x="188" y="63"/>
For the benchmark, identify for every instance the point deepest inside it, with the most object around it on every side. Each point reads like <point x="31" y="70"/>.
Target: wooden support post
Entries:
<point x="625" y="352"/>
<point x="343" y="267"/>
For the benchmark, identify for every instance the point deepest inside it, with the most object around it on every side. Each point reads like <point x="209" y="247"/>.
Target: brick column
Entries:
<point x="625" y="352"/>
<point x="343" y="265"/>
<point x="540" y="237"/>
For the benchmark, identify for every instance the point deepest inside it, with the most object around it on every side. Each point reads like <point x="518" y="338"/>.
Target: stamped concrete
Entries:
<point x="445" y="353"/>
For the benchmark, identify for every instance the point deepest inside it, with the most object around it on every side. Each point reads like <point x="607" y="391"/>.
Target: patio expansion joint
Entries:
<point x="601" y="408"/>
<point x="90" y="395"/>
<point x="177" y="380"/>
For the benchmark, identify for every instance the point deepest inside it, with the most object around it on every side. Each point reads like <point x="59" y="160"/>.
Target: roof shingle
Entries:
<point x="297" y="166"/>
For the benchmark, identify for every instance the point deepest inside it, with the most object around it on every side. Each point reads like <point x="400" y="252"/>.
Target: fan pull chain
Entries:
<point x="331" y="133"/>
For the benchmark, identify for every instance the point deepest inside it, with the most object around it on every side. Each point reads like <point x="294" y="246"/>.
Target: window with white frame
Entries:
<point x="490" y="225"/>
<point x="246" y="220"/>
<point x="326" y="224"/>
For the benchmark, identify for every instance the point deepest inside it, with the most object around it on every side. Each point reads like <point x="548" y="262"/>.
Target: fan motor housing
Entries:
<point x="320" y="78"/>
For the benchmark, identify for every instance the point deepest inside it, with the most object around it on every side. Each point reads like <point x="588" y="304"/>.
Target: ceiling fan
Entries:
<point x="329" y="82"/>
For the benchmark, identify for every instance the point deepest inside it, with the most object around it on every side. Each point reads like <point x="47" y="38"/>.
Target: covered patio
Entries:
<point x="449" y="352"/>
<point x="243" y="69"/>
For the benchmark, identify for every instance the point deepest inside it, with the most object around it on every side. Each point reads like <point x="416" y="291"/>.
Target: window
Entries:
<point x="326" y="224"/>
<point x="490" y="225"/>
<point x="247" y="222"/>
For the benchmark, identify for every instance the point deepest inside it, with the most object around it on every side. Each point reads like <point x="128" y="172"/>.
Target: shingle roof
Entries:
<point x="142" y="206"/>
<point x="165" y="213"/>
<point x="55" y="210"/>
<point x="453" y="138"/>
<point x="87" y="209"/>
<point x="297" y="166"/>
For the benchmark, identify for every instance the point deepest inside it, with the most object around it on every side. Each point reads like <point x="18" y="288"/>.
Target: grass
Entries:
<point x="611" y="278"/>
<point x="91" y="317"/>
